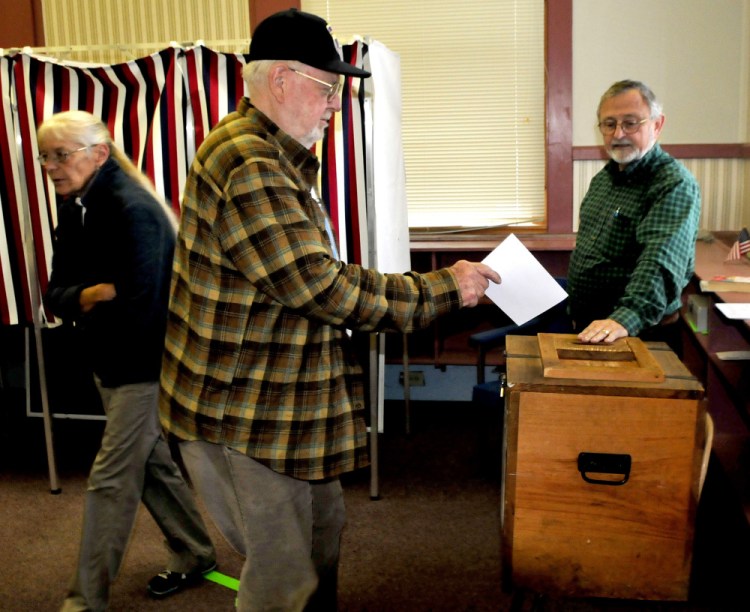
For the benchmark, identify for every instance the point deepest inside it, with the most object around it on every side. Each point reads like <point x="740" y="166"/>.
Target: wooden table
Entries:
<point x="727" y="383"/>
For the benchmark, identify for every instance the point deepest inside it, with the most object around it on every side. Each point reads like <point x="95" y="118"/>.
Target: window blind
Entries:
<point x="473" y="103"/>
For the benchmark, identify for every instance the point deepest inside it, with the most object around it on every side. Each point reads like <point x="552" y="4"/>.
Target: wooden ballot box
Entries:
<point x="603" y="451"/>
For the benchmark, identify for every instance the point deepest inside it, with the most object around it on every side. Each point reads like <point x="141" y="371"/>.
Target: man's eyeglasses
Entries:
<point x="629" y="126"/>
<point x="333" y="88"/>
<point x="58" y="157"/>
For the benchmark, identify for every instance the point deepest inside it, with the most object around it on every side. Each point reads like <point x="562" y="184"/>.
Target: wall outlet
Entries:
<point x="416" y="379"/>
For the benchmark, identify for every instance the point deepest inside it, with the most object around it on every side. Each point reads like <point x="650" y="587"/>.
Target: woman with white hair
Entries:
<point x="111" y="269"/>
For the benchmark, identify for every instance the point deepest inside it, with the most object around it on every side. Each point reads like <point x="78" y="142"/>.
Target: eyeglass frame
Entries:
<point x="333" y="88"/>
<point x="634" y="126"/>
<point x="59" y="158"/>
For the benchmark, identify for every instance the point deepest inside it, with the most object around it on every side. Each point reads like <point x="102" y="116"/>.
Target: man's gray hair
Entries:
<point x="254" y="73"/>
<point x="649" y="97"/>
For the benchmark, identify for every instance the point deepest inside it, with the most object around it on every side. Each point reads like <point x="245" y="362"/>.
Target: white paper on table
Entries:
<point x="527" y="289"/>
<point x="734" y="310"/>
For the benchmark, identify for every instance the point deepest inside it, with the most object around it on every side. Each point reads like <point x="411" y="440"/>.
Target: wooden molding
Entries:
<point x="680" y="151"/>
<point x="559" y="114"/>
<point x="26" y="27"/>
<point x="487" y="242"/>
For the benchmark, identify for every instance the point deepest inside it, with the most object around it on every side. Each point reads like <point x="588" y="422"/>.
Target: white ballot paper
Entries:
<point x="527" y="289"/>
<point x="734" y="310"/>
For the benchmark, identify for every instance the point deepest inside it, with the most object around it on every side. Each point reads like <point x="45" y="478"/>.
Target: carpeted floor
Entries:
<point x="430" y="543"/>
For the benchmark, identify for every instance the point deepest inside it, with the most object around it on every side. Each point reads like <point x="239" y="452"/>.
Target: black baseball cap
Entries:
<point x="303" y="37"/>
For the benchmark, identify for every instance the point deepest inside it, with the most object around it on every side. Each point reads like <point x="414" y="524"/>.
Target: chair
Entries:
<point x="707" y="445"/>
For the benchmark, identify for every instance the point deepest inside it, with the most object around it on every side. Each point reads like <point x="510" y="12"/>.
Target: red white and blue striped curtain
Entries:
<point x="363" y="176"/>
<point x="344" y="174"/>
<point x="214" y="84"/>
<point x="15" y="280"/>
<point x="158" y="109"/>
<point x="142" y="104"/>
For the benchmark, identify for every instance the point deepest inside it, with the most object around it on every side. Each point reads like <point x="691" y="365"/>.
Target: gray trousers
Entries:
<point x="134" y="464"/>
<point x="288" y="530"/>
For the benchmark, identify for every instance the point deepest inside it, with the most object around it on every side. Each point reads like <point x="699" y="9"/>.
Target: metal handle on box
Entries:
<point x="604" y="463"/>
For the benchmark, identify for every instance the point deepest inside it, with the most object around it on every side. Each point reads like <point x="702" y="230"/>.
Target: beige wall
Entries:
<point x="695" y="55"/>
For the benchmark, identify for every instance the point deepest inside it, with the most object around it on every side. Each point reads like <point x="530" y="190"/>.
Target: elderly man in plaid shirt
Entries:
<point x="259" y="381"/>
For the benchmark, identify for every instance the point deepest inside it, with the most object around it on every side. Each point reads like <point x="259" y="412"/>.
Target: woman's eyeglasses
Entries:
<point x="57" y="157"/>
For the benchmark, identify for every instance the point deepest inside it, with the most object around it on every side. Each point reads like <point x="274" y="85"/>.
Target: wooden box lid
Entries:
<point x="626" y="359"/>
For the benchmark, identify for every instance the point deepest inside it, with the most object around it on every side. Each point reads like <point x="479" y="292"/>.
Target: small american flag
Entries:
<point x="741" y="247"/>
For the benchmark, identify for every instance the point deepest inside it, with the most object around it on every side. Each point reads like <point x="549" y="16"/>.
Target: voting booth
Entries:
<point x="603" y="453"/>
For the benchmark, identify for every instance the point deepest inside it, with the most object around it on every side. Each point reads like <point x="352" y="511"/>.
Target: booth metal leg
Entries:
<point x="47" y="417"/>
<point x="407" y="385"/>
<point x="374" y="420"/>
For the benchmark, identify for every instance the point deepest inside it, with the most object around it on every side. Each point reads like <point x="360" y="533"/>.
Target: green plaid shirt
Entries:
<point x="257" y="356"/>
<point x="635" y="249"/>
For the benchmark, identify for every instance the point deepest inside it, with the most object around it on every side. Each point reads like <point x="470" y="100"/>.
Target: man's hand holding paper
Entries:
<point x="527" y="289"/>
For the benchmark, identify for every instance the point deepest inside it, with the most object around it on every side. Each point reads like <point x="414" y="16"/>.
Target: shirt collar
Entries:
<point x="634" y="168"/>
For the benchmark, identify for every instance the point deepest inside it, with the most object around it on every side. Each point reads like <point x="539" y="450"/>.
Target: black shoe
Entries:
<point x="169" y="582"/>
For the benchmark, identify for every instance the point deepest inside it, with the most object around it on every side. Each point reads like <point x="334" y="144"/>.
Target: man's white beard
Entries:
<point x="313" y="136"/>
<point x="627" y="156"/>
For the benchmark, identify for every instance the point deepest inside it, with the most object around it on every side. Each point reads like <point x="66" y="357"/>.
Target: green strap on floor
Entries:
<point x="223" y="580"/>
